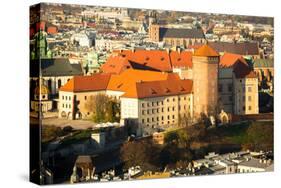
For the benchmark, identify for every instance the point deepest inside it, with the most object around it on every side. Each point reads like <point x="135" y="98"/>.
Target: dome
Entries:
<point x="42" y="90"/>
<point x="206" y="51"/>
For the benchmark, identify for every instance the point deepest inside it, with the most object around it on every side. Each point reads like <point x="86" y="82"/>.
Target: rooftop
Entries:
<point x="180" y="33"/>
<point x="206" y="50"/>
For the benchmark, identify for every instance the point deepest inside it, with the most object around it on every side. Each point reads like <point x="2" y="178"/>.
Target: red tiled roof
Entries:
<point x="95" y="82"/>
<point x="159" y="88"/>
<point x="229" y="59"/>
<point x="126" y="79"/>
<point x="182" y="59"/>
<point x="240" y="67"/>
<point x="154" y="59"/>
<point x="115" y="65"/>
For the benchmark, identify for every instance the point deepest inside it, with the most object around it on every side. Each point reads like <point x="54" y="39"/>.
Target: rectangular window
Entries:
<point x="62" y="97"/>
<point x="250" y="89"/>
<point x="143" y="112"/>
<point x="142" y="121"/>
<point x="229" y="87"/>
<point x="230" y="98"/>
<point x="85" y="97"/>
<point x="147" y="119"/>
<point x="143" y="105"/>
<point x="220" y="88"/>
<point x="147" y="111"/>
<point x="249" y="98"/>
<point x="249" y="107"/>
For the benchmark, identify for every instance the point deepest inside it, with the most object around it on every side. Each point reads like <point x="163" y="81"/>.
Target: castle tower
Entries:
<point x="205" y="81"/>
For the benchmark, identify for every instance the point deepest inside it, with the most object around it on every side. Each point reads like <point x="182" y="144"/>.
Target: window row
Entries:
<point x="153" y="119"/>
<point x="66" y="97"/>
<point x="157" y="103"/>
<point x="66" y="105"/>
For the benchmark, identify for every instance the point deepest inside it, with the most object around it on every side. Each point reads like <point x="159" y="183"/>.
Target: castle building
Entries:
<point x="159" y="88"/>
<point x="238" y="85"/>
<point x="148" y="98"/>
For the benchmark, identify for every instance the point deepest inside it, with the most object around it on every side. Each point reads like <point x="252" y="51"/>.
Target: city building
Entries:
<point x="148" y="98"/>
<point x="151" y="95"/>
<point x="176" y="36"/>
<point x="238" y="85"/>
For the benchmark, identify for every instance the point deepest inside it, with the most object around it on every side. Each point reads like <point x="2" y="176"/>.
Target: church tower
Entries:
<point x="41" y="48"/>
<point x="205" y="80"/>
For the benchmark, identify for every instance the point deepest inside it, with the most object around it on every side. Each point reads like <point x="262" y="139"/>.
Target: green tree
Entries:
<point x="104" y="108"/>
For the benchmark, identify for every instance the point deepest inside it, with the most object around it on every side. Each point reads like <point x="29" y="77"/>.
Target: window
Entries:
<point x="147" y="119"/>
<point x="249" y="107"/>
<point x="63" y="105"/>
<point x="173" y="108"/>
<point x="220" y="88"/>
<point x="173" y="116"/>
<point x="85" y="97"/>
<point x="142" y="120"/>
<point x="148" y="104"/>
<point x="157" y="118"/>
<point x="229" y="87"/>
<point x="143" y="105"/>
<point x="168" y="117"/>
<point x="243" y="108"/>
<point x="162" y="109"/>
<point x="143" y="112"/>
<point x="230" y="98"/>
<point x="249" y="98"/>
<point x="168" y="109"/>
<point x="62" y="97"/>
<point x="250" y="89"/>
<point x="147" y="111"/>
<point x="152" y="119"/>
<point x="174" y="99"/>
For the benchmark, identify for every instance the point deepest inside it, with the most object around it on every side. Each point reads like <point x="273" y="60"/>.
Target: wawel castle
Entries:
<point x="156" y="88"/>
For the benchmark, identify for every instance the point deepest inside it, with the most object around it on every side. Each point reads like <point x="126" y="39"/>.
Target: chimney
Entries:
<point x="168" y="51"/>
